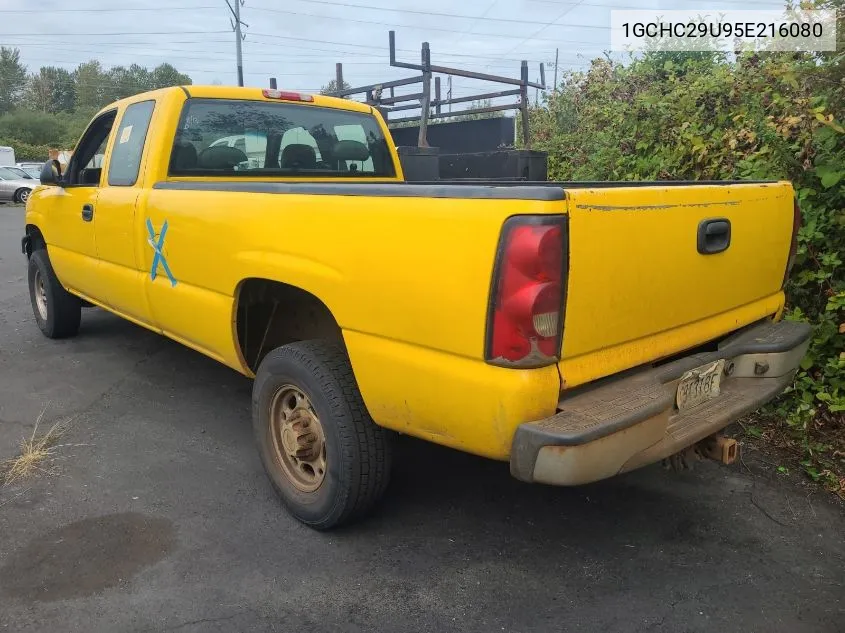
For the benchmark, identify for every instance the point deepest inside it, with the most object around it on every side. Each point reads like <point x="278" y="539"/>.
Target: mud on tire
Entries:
<point x="356" y="457"/>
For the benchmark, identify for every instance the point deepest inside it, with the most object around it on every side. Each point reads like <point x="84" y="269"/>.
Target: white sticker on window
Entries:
<point x="125" y="133"/>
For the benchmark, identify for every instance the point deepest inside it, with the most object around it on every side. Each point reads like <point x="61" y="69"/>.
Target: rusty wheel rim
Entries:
<point x="40" y="295"/>
<point x="298" y="440"/>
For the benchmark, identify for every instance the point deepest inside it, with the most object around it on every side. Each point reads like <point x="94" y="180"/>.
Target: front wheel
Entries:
<point x="327" y="459"/>
<point x="57" y="312"/>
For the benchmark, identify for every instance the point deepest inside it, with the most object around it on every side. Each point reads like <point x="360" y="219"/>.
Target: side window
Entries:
<point x="84" y="167"/>
<point x="125" y="158"/>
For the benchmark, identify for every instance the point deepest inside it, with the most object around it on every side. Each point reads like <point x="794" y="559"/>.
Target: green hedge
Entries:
<point x="25" y="151"/>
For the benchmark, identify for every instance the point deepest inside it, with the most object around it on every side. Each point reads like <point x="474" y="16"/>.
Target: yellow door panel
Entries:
<point x="70" y="237"/>
<point x="175" y="267"/>
<point x="120" y="271"/>
<point x="117" y="221"/>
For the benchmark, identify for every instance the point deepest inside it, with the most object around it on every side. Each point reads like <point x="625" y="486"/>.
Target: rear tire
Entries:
<point x="57" y="312"/>
<point x="328" y="461"/>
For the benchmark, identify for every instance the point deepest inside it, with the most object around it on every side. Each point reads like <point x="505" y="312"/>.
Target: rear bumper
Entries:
<point x="631" y="420"/>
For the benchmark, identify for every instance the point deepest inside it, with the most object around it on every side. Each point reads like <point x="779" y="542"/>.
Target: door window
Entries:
<point x="85" y="165"/>
<point x="125" y="158"/>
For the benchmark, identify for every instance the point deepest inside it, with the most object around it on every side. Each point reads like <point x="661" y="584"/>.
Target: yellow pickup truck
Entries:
<point x="576" y="330"/>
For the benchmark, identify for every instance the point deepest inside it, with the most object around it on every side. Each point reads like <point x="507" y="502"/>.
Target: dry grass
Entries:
<point x="35" y="451"/>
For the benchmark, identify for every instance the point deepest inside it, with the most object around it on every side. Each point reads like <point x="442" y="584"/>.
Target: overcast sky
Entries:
<point x="299" y="41"/>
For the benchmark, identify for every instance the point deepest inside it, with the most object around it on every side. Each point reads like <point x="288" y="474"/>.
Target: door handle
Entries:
<point x="714" y="236"/>
<point x="87" y="212"/>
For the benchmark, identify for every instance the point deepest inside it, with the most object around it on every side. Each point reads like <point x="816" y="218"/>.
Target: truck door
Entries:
<point x="120" y="269"/>
<point x="71" y="210"/>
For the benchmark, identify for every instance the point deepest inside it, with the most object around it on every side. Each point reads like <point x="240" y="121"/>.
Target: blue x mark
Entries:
<point x="159" y="256"/>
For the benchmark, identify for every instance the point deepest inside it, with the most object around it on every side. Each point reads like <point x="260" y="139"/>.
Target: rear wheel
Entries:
<point x="327" y="459"/>
<point x="22" y="195"/>
<point x="57" y="312"/>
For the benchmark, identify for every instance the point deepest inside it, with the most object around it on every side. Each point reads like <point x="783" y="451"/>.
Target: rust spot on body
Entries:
<point x="655" y="207"/>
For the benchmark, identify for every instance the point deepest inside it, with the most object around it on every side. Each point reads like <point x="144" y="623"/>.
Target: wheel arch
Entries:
<point x="34" y="239"/>
<point x="268" y="313"/>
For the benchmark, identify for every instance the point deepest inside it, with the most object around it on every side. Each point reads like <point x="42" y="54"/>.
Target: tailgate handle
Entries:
<point x="714" y="236"/>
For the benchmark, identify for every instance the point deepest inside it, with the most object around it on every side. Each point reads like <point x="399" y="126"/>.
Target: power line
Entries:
<point x="412" y="27"/>
<point x="121" y="10"/>
<point x="146" y="45"/>
<point x="483" y="15"/>
<point x="282" y="56"/>
<point x="336" y="3"/>
<point x="183" y="70"/>
<point x="538" y="31"/>
<point x="260" y="60"/>
<point x="180" y="55"/>
<point x="116" y="33"/>
<point x="278" y="58"/>
<point x="274" y="43"/>
<point x="778" y="4"/>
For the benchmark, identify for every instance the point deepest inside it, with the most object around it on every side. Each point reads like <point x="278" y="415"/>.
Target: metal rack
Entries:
<point x="387" y="104"/>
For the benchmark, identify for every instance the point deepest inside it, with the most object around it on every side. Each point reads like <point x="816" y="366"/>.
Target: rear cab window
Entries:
<point x="218" y="137"/>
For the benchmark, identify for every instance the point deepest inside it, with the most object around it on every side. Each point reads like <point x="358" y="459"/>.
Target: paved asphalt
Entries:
<point x="157" y="517"/>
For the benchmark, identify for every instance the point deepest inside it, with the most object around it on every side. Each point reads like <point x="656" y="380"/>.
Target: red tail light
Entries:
<point x="525" y="318"/>
<point x="282" y="95"/>
<point x="793" y="246"/>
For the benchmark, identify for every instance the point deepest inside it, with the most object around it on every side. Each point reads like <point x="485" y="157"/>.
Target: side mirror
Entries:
<point x="51" y="173"/>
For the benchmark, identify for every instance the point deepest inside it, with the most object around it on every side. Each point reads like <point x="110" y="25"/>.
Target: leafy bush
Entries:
<point x="756" y="116"/>
<point x="32" y="134"/>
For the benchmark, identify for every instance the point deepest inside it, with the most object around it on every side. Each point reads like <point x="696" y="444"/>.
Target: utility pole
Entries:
<point x="449" y="91"/>
<point x="554" y="85"/>
<point x="425" y="101"/>
<point x="239" y="37"/>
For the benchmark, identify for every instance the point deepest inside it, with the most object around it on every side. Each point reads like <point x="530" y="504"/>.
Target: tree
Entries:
<point x="12" y="78"/>
<point x="58" y="104"/>
<point x="90" y="81"/>
<point x="118" y="84"/>
<point x="165" y="75"/>
<point x="51" y="90"/>
<point x="331" y="87"/>
<point x="121" y="82"/>
<point x="35" y="128"/>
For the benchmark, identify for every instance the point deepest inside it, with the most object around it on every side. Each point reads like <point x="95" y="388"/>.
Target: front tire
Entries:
<point x="57" y="312"/>
<point x="22" y="195"/>
<point x="328" y="461"/>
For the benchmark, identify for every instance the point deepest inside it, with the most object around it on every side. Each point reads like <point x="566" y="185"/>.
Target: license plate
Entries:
<point x="699" y="385"/>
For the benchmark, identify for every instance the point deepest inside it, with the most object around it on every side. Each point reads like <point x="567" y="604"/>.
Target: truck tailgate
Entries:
<point x="638" y="287"/>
